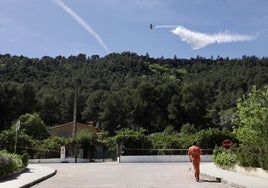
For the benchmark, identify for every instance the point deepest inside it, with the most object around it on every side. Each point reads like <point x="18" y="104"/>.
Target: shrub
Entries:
<point x="86" y="140"/>
<point x="6" y="165"/>
<point x="132" y="142"/>
<point x="162" y="141"/>
<point x="223" y="157"/>
<point x="207" y="138"/>
<point x="249" y="156"/>
<point x="25" y="142"/>
<point x="188" y="129"/>
<point x="10" y="163"/>
<point x="50" y="148"/>
<point x="25" y="159"/>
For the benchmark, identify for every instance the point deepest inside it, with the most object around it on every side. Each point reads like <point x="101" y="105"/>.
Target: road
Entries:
<point x="125" y="175"/>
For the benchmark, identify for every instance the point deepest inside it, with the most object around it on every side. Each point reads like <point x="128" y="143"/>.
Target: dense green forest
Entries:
<point x="127" y="90"/>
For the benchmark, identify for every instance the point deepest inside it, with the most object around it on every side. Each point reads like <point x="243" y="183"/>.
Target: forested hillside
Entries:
<point x="127" y="90"/>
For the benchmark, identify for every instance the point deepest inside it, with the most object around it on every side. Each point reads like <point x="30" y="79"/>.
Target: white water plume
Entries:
<point x="199" y="40"/>
<point x="165" y="26"/>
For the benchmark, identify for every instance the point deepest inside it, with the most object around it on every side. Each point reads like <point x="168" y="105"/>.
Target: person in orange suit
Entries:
<point x="194" y="153"/>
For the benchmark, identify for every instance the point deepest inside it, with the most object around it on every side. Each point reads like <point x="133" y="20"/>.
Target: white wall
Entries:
<point x="160" y="158"/>
<point x="58" y="160"/>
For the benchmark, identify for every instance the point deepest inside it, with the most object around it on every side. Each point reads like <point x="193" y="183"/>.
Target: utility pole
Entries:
<point x="74" y="120"/>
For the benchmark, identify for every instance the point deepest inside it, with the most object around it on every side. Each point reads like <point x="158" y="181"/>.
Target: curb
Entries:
<point x="39" y="180"/>
<point x="222" y="180"/>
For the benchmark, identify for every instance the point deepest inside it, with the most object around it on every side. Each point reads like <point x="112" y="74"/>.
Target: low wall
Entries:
<point x="160" y="158"/>
<point x="58" y="160"/>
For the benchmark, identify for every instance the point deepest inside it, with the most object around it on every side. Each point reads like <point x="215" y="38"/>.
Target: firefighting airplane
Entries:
<point x="151" y="26"/>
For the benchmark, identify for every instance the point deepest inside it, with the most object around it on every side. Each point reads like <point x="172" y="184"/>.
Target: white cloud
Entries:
<point x="83" y="23"/>
<point x="199" y="40"/>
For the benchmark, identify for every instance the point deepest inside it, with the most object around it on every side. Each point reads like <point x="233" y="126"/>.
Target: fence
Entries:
<point x="125" y="155"/>
<point x="131" y="151"/>
<point x="101" y="156"/>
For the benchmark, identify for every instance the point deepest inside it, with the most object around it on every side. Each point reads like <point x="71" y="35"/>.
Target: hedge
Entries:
<point x="12" y="163"/>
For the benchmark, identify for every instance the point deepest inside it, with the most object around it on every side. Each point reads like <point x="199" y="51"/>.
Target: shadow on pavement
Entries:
<point x="14" y="176"/>
<point x="218" y="180"/>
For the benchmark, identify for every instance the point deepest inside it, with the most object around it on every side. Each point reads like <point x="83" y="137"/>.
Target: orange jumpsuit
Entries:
<point x="194" y="153"/>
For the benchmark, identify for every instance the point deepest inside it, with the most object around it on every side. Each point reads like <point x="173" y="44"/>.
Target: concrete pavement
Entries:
<point x="126" y="175"/>
<point x="32" y="174"/>
<point x="129" y="175"/>
<point x="234" y="179"/>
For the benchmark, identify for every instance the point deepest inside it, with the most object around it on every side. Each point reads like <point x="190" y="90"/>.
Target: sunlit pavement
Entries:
<point x="129" y="175"/>
<point x="126" y="175"/>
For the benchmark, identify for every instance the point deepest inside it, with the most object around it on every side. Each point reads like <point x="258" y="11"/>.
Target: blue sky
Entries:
<point x="185" y="28"/>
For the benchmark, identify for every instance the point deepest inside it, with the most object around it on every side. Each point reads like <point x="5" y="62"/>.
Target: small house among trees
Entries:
<point x="65" y="130"/>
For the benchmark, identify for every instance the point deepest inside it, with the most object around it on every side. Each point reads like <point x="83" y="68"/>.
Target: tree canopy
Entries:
<point x="252" y="128"/>
<point x="126" y="90"/>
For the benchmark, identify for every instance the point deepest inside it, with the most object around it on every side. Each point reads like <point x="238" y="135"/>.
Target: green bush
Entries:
<point x="6" y="165"/>
<point x="24" y="145"/>
<point x="50" y="148"/>
<point x="251" y="125"/>
<point x="86" y="140"/>
<point x="11" y="163"/>
<point x="162" y="141"/>
<point x="25" y="159"/>
<point x="207" y="138"/>
<point x="223" y="157"/>
<point x="132" y="142"/>
<point x="249" y="156"/>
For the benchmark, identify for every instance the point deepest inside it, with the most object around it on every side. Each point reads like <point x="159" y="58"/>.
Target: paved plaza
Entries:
<point x="126" y="175"/>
